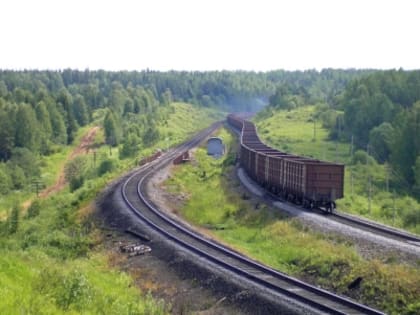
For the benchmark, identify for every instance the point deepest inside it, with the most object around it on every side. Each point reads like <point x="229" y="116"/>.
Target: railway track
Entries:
<point x="361" y="223"/>
<point x="376" y="228"/>
<point x="135" y="196"/>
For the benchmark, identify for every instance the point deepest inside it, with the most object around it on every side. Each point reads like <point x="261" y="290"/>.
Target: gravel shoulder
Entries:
<point x="188" y="283"/>
<point x="368" y="244"/>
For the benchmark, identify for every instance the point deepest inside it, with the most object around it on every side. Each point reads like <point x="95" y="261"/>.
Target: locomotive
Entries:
<point x="306" y="181"/>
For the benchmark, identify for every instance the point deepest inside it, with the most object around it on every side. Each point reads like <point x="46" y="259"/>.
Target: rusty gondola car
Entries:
<point x="302" y="180"/>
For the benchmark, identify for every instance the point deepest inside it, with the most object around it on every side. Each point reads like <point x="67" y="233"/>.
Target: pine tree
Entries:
<point x="13" y="219"/>
<point x="81" y="112"/>
<point x="111" y="128"/>
<point x="26" y="135"/>
<point x="7" y="135"/>
<point x="59" y="134"/>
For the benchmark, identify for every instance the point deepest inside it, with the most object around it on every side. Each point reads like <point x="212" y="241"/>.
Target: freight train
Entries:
<point x="306" y="181"/>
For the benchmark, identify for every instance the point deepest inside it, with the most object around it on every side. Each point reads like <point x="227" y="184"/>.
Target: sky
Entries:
<point x="257" y="35"/>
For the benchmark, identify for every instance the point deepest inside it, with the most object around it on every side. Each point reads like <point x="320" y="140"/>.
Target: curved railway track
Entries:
<point x="136" y="198"/>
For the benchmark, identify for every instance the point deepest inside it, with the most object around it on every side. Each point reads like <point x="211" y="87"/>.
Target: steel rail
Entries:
<point x="144" y="175"/>
<point x="367" y="225"/>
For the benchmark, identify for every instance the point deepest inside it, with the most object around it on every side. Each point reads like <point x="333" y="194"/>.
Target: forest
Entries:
<point x="41" y="111"/>
<point x="378" y="113"/>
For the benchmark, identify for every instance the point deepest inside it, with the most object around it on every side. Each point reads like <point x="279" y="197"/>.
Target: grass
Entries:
<point x="293" y="131"/>
<point x="54" y="263"/>
<point x="283" y="243"/>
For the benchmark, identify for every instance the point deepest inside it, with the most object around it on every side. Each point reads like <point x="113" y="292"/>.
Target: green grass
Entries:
<point x="293" y="131"/>
<point x="33" y="283"/>
<point x="283" y="243"/>
<point x="54" y="264"/>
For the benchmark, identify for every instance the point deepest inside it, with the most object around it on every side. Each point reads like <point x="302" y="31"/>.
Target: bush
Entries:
<point x="411" y="217"/>
<point x="105" y="167"/>
<point x="13" y="219"/>
<point x="76" y="183"/>
<point x="5" y="182"/>
<point x="361" y="157"/>
<point x="34" y="209"/>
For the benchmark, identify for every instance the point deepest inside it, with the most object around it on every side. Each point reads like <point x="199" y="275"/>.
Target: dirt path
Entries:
<point x="83" y="148"/>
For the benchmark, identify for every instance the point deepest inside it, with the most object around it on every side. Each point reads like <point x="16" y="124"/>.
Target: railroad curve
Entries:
<point x="267" y="279"/>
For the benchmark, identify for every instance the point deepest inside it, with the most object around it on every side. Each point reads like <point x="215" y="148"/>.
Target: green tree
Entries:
<point x="27" y="161"/>
<point x="34" y="209"/>
<point x="17" y="175"/>
<point x="380" y="140"/>
<point x="43" y="118"/>
<point x="151" y="135"/>
<point x="27" y="129"/>
<point x="44" y="122"/>
<point x="5" y="180"/>
<point x="75" y="172"/>
<point x="416" y="170"/>
<point x="130" y="146"/>
<point x="59" y="134"/>
<point x="406" y="145"/>
<point x="81" y="112"/>
<point x="14" y="219"/>
<point x="7" y="134"/>
<point x="112" y="129"/>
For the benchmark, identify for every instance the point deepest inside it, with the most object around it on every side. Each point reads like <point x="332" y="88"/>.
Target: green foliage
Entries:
<point x="130" y="146"/>
<point x="293" y="132"/>
<point x="151" y="135"/>
<point x="26" y="160"/>
<point x="106" y="166"/>
<point x="5" y="181"/>
<point x="381" y="109"/>
<point x="381" y="139"/>
<point x="13" y="219"/>
<point x="34" y="209"/>
<point x="75" y="172"/>
<point x="111" y="128"/>
<point x="53" y="250"/>
<point x="210" y="200"/>
<point x="7" y="133"/>
<point x="27" y="129"/>
<point x="416" y="170"/>
<point x="361" y="157"/>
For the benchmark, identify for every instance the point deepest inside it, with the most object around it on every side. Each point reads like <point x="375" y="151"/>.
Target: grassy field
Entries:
<point x="296" y="132"/>
<point x="51" y="259"/>
<point x="331" y="262"/>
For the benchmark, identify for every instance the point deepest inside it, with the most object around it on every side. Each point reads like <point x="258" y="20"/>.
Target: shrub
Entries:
<point x="34" y="209"/>
<point x="106" y="166"/>
<point x="76" y="183"/>
<point x="361" y="157"/>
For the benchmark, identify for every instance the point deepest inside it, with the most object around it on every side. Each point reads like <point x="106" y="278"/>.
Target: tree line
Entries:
<point x="41" y="111"/>
<point x="381" y="113"/>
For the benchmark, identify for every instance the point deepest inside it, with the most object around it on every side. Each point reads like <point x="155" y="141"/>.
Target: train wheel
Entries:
<point x="330" y="207"/>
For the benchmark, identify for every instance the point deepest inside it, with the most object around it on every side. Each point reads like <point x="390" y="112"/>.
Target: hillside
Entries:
<point x="55" y="248"/>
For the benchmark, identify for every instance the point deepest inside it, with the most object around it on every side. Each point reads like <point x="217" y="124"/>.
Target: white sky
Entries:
<point x="209" y="34"/>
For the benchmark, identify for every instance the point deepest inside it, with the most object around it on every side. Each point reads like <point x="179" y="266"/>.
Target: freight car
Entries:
<point x="302" y="180"/>
<point x="150" y="158"/>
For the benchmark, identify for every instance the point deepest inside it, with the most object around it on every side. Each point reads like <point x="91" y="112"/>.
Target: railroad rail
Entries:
<point x="361" y="223"/>
<point x="376" y="228"/>
<point x="135" y="196"/>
